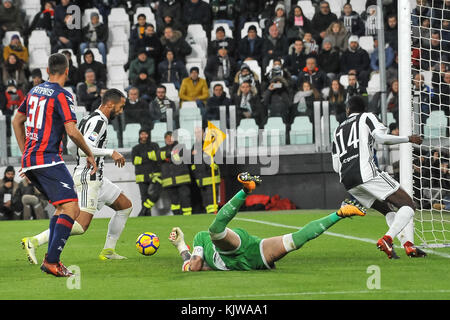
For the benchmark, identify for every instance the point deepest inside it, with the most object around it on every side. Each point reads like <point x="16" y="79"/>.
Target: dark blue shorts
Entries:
<point x="54" y="182"/>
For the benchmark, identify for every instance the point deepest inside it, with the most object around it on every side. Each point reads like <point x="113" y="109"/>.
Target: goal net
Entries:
<point x="430" y="74"/>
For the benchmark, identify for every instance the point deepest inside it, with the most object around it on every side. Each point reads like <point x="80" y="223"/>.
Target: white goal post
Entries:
<point x="422" y="111"/>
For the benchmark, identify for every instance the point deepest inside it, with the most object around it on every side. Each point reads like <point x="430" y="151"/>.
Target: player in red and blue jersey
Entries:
<point x="43" y="118"/>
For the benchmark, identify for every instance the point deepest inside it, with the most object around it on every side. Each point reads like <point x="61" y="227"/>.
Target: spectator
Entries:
<point x="249" y="11"/>
<point x="297" y="24"/>
<point x="321" y="21"/>
<point x="11" y="18"/>
<point x="8" y="187"/>
<point x="61" y="12"/>
<point x="74" y="77"/>
<point x="168" y="8"/>
<point x="172" y="70"/>
<point x="392" y="71"/>
<point x="246" y="74"/>
<point x="14" y="69"/>
<point x="147" y="171"/>
<point x="338" y="35"/>
<point x="16" y="47"/>
<point x="277" y="70"/>
<point x="220" y="67"/>
<point x="95" y="35"/>
<point x="137" y="32"/>
<point x="173" y="40"/>
<point x="424" y="94"/>
<point x="336" y="100"/>
<point x="36" y="79"/>
<point x="275" y="45"/>
<point x="354" y="88"/>
<point x="328" y="59"/>
<point x="310" y="45"/>
<point x="304" y="101"/>
<point x="391" y="32"/>
<point x="44" y="20"/>
<point x="392" y="100"/>
<point x="435" y="53"/>
<point x="278" y="18"/>
<point x="90" y="63"/>
<point x="65" y="36"/>
<point x="224" y="11"/>
<point x="251" y="46"/>
<point x="29" y="201"/>
<point x="169" y="21"/>
<point x="444" y="90"/>
<point x="221" y="41"/>
<point x="145" y="85"/>
<point x="352" y="21"/>
<point x="374" y="59"/>
<point x="136" y="110"/>
<point x="141" y="62"/>
<point x="159" y="106"/>
<point x="356" y="59"/>
<point x="89" y="90"/>
<point x="197" y="12"/>
<point x="151" y="43"/>
<point x="194" y="88"/>
<point x="370" y="20"/>
<point x="214" y="103"/>
<point x="248" y="104"/>
<point x="277" y="100"/>
<point x="296" y="60"/>
<point x="312" y="74"/>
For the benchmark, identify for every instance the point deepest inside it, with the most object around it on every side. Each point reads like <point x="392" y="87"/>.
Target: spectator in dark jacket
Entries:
<point x="74" y="77"/>
<point x="61" y="12"/>
<point x="66" y="38"/>
<point x="297" y="24"/>
<point x="170" y="8"/>
<point x="90" y="63"/>
<point x="169" y="21"/>
<point x="328" y="59"/>
<point x="151" y="43"/>
<point x="141" y="62"/>
<point x="197" y="12"/>
<point x="391" y="32"/>
<point x="11" y="18"/>
<point x="277" y="100"/>
<point x="145" y="84"/>
<point x="221" y="41"/>
<point x="296" y="61"/>
<point x="248" y="104"/>
<point x="136" y="109"/>
<point x="352" y="21"/>
<point x="8" y="187"/>
<point x="224" y="11"/>
<point x="278" y="18"/>
<point x="251" y="46"/>
<point x="312" y="74"/>
<point x="172" y="70"/>
<point x="44" y="20"/>
<point x="354" y="88"/>
<point x="89" y="91"/>
<point x="303" y="102"/>
<point x="275" y="45"/>
<point x="159" y="105"/>
<point x="220" y="67"/>
<point x="321" y="21"/>
<point x="214" y="103"/>
<point x="95" y="35"/>
<point x="336" y="100"/>
<point x="173" y="40"/>
<point x="137" y="32"/>
<point x="356" y="59"/>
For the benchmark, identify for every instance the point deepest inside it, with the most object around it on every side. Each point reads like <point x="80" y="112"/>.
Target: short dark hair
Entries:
<point x="168" y="133"/>
<point x="356" y="104"/>
<point x="217" y="85"/>
<point x="142" y="15"/>
<point x="114" y="95"/>
<point x="57" y="64"/>
<point x="161" y="87"/>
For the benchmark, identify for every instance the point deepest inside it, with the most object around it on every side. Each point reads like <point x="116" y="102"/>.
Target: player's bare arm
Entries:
<point x="76" y="136"/>
<point x="19" y="129"/>
<point x="415" y="139"/>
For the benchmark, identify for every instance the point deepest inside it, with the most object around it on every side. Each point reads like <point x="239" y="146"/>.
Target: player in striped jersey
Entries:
<point x="39" y="125"/>
<point x="353" y="159"/>
<point x="95" y="191"/>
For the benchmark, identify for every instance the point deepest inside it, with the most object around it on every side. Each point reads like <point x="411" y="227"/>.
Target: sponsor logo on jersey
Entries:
<point x="93" y="136"/>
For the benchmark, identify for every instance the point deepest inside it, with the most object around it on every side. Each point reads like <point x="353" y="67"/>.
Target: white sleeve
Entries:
<point x="92" y="136"/>
<point x="336" y="163"/>
<point x="388" y="139"/>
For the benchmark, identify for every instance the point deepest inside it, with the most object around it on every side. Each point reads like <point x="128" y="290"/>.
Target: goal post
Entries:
<point x="424" y="110"/>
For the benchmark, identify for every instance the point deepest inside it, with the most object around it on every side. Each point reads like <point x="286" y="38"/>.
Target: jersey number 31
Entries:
<point x="35" y="112"/>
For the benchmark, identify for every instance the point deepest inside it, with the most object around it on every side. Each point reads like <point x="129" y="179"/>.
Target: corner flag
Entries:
<point x="213" y="139"/>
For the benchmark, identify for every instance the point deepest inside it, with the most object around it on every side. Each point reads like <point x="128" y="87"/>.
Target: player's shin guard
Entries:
<point x="312" y="230"/>
<point x="226" y="214"/>
<point x="116" y="226"/>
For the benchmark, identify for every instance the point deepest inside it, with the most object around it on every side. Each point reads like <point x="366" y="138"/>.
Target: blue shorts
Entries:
<point x="54" y="182"/>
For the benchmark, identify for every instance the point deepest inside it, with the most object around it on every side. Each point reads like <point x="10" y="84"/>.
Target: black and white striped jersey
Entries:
<point x="94" y="129"/>
<point x="353" y="154"/>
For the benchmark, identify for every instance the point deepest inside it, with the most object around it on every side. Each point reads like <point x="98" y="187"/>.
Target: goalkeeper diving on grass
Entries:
<point x="222" y="248"/>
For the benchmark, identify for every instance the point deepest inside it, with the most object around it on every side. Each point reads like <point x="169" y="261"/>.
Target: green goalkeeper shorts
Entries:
<point x="247" y="257"/>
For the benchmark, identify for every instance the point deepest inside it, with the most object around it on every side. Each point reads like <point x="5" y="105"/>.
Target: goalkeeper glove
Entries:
<point x="176" y="237"/>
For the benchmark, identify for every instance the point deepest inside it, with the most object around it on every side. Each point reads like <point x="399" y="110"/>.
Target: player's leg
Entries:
<point x="224" y="238"/>
<point x="113" y="197"/>
<point x="277" y="247"/>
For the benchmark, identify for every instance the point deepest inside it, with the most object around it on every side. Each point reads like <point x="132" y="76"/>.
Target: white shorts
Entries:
<point x="93" y="195"/>
<point x="378" y="188"/>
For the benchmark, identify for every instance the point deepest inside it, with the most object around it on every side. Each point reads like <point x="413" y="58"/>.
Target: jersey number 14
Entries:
<point x="352" y="140"/>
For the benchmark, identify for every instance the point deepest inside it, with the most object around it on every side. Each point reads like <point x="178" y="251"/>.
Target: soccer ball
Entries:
<point x="147" y="243"/>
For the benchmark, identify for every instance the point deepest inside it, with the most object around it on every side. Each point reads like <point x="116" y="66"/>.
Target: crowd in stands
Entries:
<point x="302" y="59"/>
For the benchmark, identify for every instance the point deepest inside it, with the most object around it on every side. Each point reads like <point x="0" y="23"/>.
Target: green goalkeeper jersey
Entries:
<point x="247" y="257"/>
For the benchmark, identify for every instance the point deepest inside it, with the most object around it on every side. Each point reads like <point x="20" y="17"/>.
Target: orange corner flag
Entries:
<point x="214" y="138"/>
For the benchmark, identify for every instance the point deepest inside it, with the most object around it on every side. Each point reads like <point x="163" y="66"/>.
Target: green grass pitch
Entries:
<point x="337" y="265"/>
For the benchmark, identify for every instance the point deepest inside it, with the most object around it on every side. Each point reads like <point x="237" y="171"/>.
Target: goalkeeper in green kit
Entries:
<point x="221" y="248"/>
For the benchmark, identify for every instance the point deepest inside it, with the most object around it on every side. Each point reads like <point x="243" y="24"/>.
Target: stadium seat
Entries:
<point x="118" y="38"/>
<point x="117" y="77"/>
<point x="373" y="85"/>
<point x="344" y="80"/>
<point x="80" y="112"/>
<point x="436" y="125"/>
<point x="131" y="134"/>
<point x="274" y="132"/>
<point x="157" y="133"/>
<point x="113" y="141"/>
<point x="119" y="18"/>
<point x="336" y="6"/>
<point x="254" y="66"/>
<point x="244" y="30"/>
<point x="228" y="31"/>
<point x="247" y="134"/>
<point x="307" y="8"/>
<point x="189" y="111"/>
<point x="8" y="35"/>
<point x="359" y="6"/>
<point x="301" y="131"/>
<point x="197" y="53"/>
<point x="172" y="92"/>
<point x="366" y="42"/>
<point x="38" y="59"/>
<point x="39" y="40"/>
<point x="186" y="131"/>
<point x="116" y="57"/>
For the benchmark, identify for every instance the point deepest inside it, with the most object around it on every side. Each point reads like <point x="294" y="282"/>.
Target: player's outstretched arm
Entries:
<point x="388" y="139"/>
<point x="76" y="136"/>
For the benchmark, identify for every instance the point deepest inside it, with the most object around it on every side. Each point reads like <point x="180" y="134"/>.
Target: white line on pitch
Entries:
<point x="335" y="235"/>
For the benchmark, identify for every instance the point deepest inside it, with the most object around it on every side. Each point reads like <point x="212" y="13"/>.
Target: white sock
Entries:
<point x="77" y="229"/>
<point x="42" y="237"/>
<point x="403" y="216"/>
<point x="407" y="234"/>
<point x="115" y="227"/>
